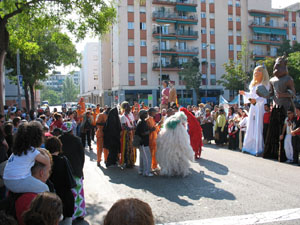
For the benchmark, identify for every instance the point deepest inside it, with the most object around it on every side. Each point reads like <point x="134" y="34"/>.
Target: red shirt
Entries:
<point x="297" y="125"/>
<point x="267" y="116"/>
<point x="22" y="204"/>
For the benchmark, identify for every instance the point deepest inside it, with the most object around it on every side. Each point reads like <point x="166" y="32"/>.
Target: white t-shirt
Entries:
<point x="288" y="128"/>
<point x="128" y="120"/>
<point x="19" y="167"/>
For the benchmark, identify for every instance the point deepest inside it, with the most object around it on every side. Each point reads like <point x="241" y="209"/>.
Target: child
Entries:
<point x="288" y="127"/>
<point x="296" y="136"/>
<point x="267" y="116"/>
<point x="143" y="131"/>
<point x="17" y="173"/>
<point x="232" y="131"/>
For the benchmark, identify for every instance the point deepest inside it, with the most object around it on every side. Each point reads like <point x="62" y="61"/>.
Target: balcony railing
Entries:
<point x="176" y="49"/>
<point x="173" y="16"/>
<point x="167" y="66"/>
<point x="267" y="24"/>
<point x="264" y="53"/>
<point x="267" y="38"/>
<point x="177" y="32"/>
<point x="190" y="2"/>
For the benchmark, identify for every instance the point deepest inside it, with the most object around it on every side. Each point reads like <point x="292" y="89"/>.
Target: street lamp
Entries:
<point x="160" y="69"/>
<point x="206" y="80"/>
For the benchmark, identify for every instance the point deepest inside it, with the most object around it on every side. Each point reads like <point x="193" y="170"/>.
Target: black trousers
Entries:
<point x="222" y="137"/>
<point x="296" y="148"/>
<point x="112" y="157"/>
<point x="232" y="142"/>
<point x="265" y="130"/>
<point x="84" y="137"/>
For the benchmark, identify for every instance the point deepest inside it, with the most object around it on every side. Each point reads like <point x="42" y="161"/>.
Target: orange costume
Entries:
<point x="101" y="119"/>
<point x="82" y="109"/>
<point x="152" y="140"/>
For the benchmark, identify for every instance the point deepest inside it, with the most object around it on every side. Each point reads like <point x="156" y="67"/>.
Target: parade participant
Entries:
<point x="57" y="123"/>
<point x="154" y="129"/>
<point x="17" y="173"/>
<point x="158" y="115"/>
<point x="72" y="118"/>
<point x="98" y="109"/>
<point x="220" y="138"/>
<point x="208" y="126"/>
<point x="136" y="105"/>
<point x="111" y="137"/>
<point x="74" y="151"/>
<point x="232" y="131"/>
<point x="172" y="93"/>
<point x="174" y="151"/>
<point x="135" y="114"/>
<point x="296" y="136"/>
<point x="143" y="131"/>
<point x="80" y="113"/>
<point x="282" y="90"/>
<point x="165" y="95"/>
<point x="128" y="154"/>
<point x="266" y="120"/>
<point x="253" y="142"/>
<point x="243" y="128"/>
<point x="101" y="120"/>
<point x="94" y="118"/>
<point x="85" y="130"/>
<point x="289" y="124"/>
<point x="195" y="132"/>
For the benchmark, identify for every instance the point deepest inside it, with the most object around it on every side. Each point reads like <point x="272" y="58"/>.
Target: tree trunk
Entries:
<point x="2" y="73"/>
<point x="26" y="96"/>
<point x="32" y="100"/>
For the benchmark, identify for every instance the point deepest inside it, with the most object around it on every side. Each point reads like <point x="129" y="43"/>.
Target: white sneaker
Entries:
<point x="149" y="175"/>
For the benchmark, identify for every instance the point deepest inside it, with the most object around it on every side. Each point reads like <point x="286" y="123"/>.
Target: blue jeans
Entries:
<point x="145" y="160"/>
<point x="28" y="184"/>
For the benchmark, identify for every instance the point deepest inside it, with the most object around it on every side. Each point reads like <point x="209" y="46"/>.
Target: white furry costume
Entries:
<point x="174" y="152"/>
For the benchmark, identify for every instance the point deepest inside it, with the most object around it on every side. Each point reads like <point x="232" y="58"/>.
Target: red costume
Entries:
<point x="195" y="132"/>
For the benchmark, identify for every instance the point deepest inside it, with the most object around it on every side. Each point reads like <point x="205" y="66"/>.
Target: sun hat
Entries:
<point x="67" y="127"/>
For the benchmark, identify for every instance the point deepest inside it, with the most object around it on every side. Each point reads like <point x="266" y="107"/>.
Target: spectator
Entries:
<point x="45" y="209"/>
<point x="57" y="122"/>
<point x="243" y="128"/>
<point x="16" y="123"/>
<point x="208" y="127"/>
<point x="86" y="129"/>
<point x="232" y="131"/>
<point x="8" y="132"/>
<point x="287" y="128"/>
<point x="61" y="170"/>
<point x="129" y="212"/>
<point x="296" y="136"/>
<point x="219" y="128"/>
<point x="17" y="173"/>
<point x="267" y="116"/>
<point x="73" y="150"/>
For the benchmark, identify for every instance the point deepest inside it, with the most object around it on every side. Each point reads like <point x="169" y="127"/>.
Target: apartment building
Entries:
<point x="152" y="39"/>
<point x="55" y="81"/>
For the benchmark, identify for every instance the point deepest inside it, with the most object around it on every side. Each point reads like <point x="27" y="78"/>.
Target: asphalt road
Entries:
<point x="223" y="183"/>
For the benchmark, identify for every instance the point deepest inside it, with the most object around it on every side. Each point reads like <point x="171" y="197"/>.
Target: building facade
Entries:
<point x="152" y="39"/>
<point x="55" y="81"/>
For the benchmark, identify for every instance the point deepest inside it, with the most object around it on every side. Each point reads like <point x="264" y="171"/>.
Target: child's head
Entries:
<point x="152" y="112"/>
<point x="57" y="132"/>
<point x="28" y="135"/>
<point x="231" y="121"/>
<point x="290" y="113"/>
<point x="267" y="107"/>
<point x="143" y="114"/>
<point x="53" y="145"/>
<point x="57" y="116"/>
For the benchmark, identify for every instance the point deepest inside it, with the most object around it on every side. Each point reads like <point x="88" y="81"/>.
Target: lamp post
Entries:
<point x="206" y="80"/>
<point x="160" y="68"/>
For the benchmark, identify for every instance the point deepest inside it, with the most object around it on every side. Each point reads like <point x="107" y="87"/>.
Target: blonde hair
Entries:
<point x="265" y="78"/>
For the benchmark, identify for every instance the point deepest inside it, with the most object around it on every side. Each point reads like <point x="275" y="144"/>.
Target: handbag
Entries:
<point x="137" y="140"/>
<point x="71" y="182"/>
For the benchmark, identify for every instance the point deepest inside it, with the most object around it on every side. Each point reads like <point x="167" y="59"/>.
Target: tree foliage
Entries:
<point x="286" y="48"/>
<point x="52" y="96"/>
<point x="69" y="90"/>
<point x="191" y="75"/>
<point x="294" y="68"/>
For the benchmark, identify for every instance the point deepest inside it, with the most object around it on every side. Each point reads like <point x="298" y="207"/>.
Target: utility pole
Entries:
<point x="20" y="79"/>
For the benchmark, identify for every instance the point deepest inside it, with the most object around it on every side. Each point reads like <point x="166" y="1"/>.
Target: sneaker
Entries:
<point x="149" y="175"/>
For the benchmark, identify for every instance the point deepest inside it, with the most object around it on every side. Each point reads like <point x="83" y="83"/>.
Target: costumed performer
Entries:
<point x="165" y="96"/>
<point x="100" y="123"/>
<point x="174" y="152"/>
<point x="254" y="142"/>
<point x="195" y="132"/>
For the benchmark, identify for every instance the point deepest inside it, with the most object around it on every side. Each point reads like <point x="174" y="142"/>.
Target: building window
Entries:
<point x="293" y="24"/>
<point x="212" y="31"/>
<point x="230" y="33"/>
<point x="131" y="76"/>
<point x="238" y="19"/>
<point x="213" y="63"/>
<point x="142" y="9"/>
<point x="143" y="26"/>
<point x="203" y="30"/>
<point x="285" y="25"/>
<point x="212" y="46"/>
<point x="182" y="60"/>
<point x="230" y="18"/>
<point x="130" y="59"/>
<point x="144" y="59"/>
<point x="230" y="47"/>
<point x="239" y="48"/>
<point x="213" y="80"/>
<point x="230" y="2"/>
<point x="203" y="15"/>
<point x="238" y="33"/>
<point x="143" y="77"/>
<point x="130" y="25"/>
<point x="294" y="38"/>
<point x="143" y="43"/>
<point x="130" y="42"/>
<point x="211" y="15"/>
<point x="130" y="8"/>
<point x="204" y="45"/>
<point x="203" y="79"/>
<point x="237" y="3"/>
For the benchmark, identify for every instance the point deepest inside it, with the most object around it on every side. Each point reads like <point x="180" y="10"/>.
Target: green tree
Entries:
<point x="294" y="68"/>
<point x="269" y="64"/>
<point x="49" y="47"/>
<point x="52" y="96"/>
<point x="235" y="77"/>
<point x="191" y="75"/>
<point x="286" y="48"/>
<point x="95" y="16"/>
<point x="69" y="90"/>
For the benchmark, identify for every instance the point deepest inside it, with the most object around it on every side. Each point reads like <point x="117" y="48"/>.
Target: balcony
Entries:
<point x="260" y="55"/>
<point x="177" y="51"/>
<point x="176" y="2"/>
<point x="267" y="40"/>
<point x="167" y="17"/>
<point x="268" y="28"/>
<point x="166" y="67"/>
<point x="176" y="34"/>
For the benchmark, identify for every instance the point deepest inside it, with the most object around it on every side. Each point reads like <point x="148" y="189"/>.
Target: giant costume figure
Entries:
<point x="282" y="90"/>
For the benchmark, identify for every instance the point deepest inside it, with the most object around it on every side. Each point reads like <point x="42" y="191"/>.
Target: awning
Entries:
<point x="165" y="21"/>
<point x="278" y="31"/>
<point x="186" y="8"/>
<point x="186" y="22"/>
<point x="165" y="37"/>
<point x="261" y="30"/>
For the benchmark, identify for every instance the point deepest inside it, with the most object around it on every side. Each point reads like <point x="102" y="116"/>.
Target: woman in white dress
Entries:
<point x="254" y="142"/>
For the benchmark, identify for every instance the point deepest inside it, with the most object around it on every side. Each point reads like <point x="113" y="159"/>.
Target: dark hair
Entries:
<point x="1" y="116"/>
<point x="129" y="211"/>
<point x="43" y="116"/>
<point x="28" y="135"/>
<point x="7" y="219"/>
<point x="53" y="144"/>
<point x="57" y="131"/>
<point x="267" y="105"/>
<point x="8" y="128"/>
<point x="166" y="82"/>
<point x="45" y="209"/>
<point x="57" y="116"/>
<point x="298" y="106"/>
<point x="16" y="120"/>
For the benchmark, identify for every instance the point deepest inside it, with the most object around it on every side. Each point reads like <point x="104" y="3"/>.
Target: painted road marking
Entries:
<point x="256" y="218"/>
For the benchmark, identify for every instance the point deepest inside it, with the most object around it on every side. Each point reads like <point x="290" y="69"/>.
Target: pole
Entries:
<point x="160" y="62"/>
<point x="19" y="74"/>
